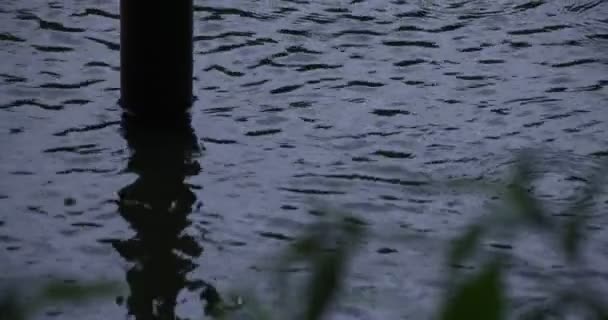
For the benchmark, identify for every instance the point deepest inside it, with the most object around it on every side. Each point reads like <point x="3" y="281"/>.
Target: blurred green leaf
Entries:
<point x="10" y="308"/>
<point x="571" y="238"/>
<point x="325" y="283"/>
<point x="13" y="308"/>
<point x="326" y="247"/>
<point x="580" y="209"/>
<point x="481" y="297"/>
<point x="465" y="245"/>
<point x="526" y="206"/>
<point x="329" y="268"/>
<point x="305" y="247"/>
<point x="64" y="292"/>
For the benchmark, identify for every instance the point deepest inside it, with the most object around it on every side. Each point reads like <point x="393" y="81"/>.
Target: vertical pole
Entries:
<point x="156" y="57"/>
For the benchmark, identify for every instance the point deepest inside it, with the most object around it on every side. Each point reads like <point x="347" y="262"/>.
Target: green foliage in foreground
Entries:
<point x="14" y="306"/>
<point x="326" y="248"/>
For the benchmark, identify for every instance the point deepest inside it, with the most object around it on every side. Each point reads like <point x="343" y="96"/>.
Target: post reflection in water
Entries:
<point x="157" y="205"/>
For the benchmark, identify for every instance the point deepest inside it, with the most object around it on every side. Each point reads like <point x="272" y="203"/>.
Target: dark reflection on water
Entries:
<point x="157" y="205"/>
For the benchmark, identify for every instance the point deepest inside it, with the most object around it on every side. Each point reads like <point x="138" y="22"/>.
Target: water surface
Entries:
<point x="359" y="103"/>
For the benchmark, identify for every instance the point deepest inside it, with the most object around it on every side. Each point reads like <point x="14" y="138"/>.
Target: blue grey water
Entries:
<point x="361" y="104"/>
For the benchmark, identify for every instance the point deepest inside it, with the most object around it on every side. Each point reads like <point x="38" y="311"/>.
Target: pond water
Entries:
<point x="361" y="104"/>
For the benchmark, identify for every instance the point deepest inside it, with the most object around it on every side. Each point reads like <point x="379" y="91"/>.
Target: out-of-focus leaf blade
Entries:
<point x="326" y="248"/>
<point x="526" y="206"/>
<point x="325" y="283"/>
<point x="571" y="238"/>
<point x="479" y="298"/>
<point x="465" y="245"/>
<point x="10" y="308"/>
<point x="63" y="292"/>
<point x="572" y="233"/>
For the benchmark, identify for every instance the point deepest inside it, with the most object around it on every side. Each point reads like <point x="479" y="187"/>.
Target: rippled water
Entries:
<point x="359" y="103"/>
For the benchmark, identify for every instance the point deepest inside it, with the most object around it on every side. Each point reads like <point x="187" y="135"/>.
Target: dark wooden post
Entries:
<point x="156" y="57"/>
